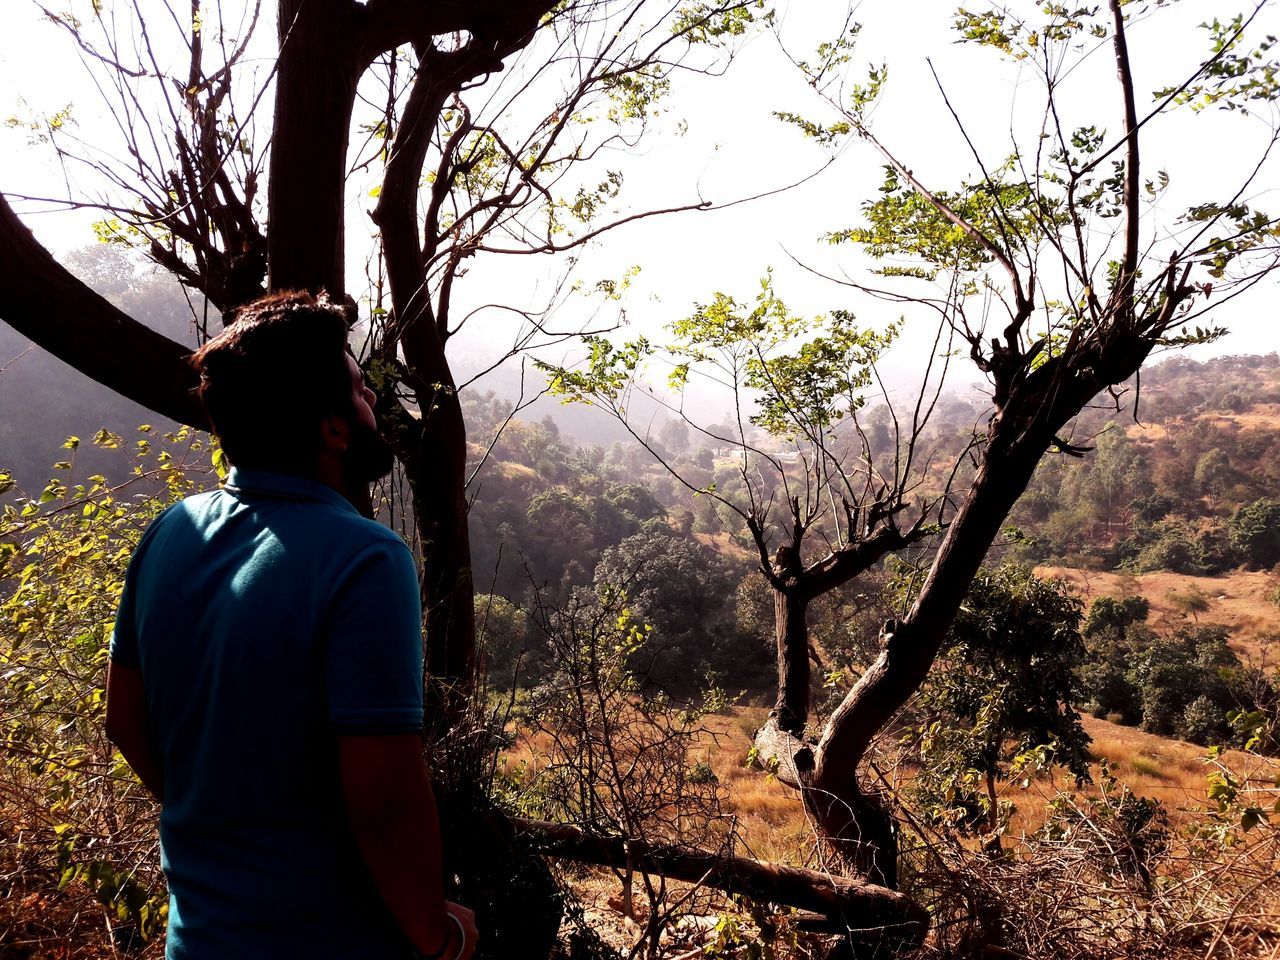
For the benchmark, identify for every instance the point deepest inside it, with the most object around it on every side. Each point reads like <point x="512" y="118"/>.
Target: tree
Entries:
<point x="1213" y="474"/>
<point x="674" y="436"/>
<point x="1114" y="475"/>
<point x="1112" y="615"/>
<point x="1006" y="696"/>
<point x="803" y="474"/>
<point x="502" y="636"/>
<point x="466" y="167"/>
<point x="682" y="591"/>
<point x="1254" y="530"/>
<point x="1056" y="242"/>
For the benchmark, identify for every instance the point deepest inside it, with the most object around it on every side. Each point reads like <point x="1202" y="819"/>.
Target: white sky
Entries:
<point x="734" y="148"/>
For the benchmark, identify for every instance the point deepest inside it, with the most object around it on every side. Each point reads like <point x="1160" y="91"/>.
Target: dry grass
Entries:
<point x="1058" y="906"/>
<point x="1172" y="771"/>
<point x="725" y="545"/>
<point x="1238" y="601"/>
<point x="772" y="822"/>
<point x="1264" y="416"/>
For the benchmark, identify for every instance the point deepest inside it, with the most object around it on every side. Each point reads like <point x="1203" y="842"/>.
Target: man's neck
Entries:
<point x="330" y="472"/>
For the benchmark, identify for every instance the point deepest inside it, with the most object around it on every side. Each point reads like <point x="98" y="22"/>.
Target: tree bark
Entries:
<point x="46" y="304"/>
<point x="317" y="73"/>
<point x="435" y="457"/>
<point x="437" y="476"/>
<point x="791" y="633"/>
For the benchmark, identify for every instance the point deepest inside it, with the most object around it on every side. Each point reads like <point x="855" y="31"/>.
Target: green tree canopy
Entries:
<point x="1254" y="530"/>
<point x="1005" y="695"/>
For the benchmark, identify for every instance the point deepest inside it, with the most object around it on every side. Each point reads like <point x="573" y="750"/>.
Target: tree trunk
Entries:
<point x="1029" y="419"/>
<point x="992" y="844"/>
<point x="438" y="476"/>
<point x="316" y="81"/>
<point x="908" y="653"/>
<point x="435" y="458"/>
<point x="857" y="829"/>
<point x="791" y="633"/>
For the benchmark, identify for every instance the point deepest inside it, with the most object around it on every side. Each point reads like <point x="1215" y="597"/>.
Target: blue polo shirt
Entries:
<point x="265" y="618"/>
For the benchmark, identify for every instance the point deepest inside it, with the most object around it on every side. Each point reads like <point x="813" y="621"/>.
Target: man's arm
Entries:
<point x="392" y="812"/>
<point x="127" y="726"/>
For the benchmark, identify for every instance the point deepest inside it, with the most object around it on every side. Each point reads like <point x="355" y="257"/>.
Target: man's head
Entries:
<point x="283" y="393"/>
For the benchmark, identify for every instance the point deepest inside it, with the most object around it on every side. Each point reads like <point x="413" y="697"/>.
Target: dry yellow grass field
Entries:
<point x="772" y="823"/>
<point x="1238" y="601"/>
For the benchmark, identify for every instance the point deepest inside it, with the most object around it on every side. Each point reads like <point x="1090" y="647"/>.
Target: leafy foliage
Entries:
<point x="682" y="589"/>
<point x="1183" y="684"/>
<point x="63" y="556"/>
<point x="1255" y="532"/>
<point x="1003" y="701"/>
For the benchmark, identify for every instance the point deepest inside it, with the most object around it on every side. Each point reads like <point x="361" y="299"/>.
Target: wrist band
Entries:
<point x="462" y="932"/>
<point x="440" y="954"/>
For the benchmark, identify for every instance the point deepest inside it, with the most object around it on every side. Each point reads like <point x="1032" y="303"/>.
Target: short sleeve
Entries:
<point x="373" y="643"/>
<point x="124" y="635"/>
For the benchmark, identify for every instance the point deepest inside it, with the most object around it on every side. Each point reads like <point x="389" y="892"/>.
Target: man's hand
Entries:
<point x="392" y="812"/>
<point x="466" y="945"/>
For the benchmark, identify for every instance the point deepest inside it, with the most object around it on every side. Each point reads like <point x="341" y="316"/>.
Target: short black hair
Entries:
<point x="272" y="375"/>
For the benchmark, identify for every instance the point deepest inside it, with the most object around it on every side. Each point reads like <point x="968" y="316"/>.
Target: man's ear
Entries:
<point x="335" y="433"/>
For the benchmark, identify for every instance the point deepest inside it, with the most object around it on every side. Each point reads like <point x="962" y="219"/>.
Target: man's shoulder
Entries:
<point x="328" y="526"/>
<point x="364" y="533"/>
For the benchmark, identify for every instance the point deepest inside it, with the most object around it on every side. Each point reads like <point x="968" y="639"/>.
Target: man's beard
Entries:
<point x="368" y="456"/>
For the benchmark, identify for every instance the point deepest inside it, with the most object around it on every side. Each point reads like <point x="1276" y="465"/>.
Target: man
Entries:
<point x="266" y="672"/>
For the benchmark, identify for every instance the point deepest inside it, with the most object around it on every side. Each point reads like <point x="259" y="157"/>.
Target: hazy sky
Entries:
<point x="734" y="148"/>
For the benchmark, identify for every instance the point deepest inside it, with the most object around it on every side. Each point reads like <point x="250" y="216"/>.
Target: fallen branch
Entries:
<point x="858" y="908"/>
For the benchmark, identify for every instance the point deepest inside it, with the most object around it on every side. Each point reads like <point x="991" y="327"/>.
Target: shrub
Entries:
<point x="87" y="825"/>
<point x="1193" y="601"/>
<point x="1203" y="722"/>
<point x="1180" y="547"/>
<point x="615" y="756"/>
<point x="1254" y="530"/>
<point x="1005" y="699"/>
<point x="1115" y="614"/>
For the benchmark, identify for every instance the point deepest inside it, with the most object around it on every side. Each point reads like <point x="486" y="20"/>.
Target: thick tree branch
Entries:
<point x="841" y="566"/>
<point x="861" y="906"/>
<point x="42" y="301"/>
<point x="318" y="71"/>
<point x="387" y="24"/>
<point x="1129" y="265"/>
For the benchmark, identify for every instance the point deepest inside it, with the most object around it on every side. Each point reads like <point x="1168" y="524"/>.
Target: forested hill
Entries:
<point x="1186" y="486"/>
<point x="1156" y="492"/>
